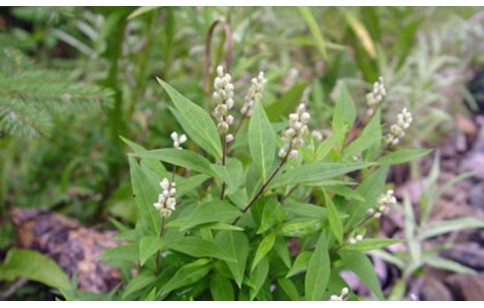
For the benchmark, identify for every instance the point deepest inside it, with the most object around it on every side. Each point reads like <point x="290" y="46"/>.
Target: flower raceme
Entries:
<point x="254" y="92"/>
<point x="383" y="204"/>
<point x="224" y="98"/>
<point x="293" y="136"/>
<point x="397" y="131"/>
<point x="166" y="202"/>
<point x="376" y="96"/>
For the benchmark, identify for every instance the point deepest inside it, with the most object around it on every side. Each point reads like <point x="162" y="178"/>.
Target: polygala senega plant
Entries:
<point x="223" y="232"/>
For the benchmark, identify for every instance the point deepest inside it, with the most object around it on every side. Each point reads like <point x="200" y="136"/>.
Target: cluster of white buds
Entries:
<point x="376" y="96"/>
<point x="224" y="98"/>
<point x="317" y="134"/>
<point x="397" y="131"/>
<point x="342" y="297"/>
<point x="355" y="239"/>
<point x="166" y="202"/>
<point x="383" y="204"/>
<point x="293" y="136"/>
<point x="254" y="92"/>
<point x="178" y="140"/>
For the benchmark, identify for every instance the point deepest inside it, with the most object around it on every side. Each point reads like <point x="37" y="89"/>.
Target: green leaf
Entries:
<point x="289" y="288"/>
<point x="262" y="141"/>
<point x="183" y="158"/>
<point x="272" y="214"/>
<point x="372" y="243"/>
<point x="344" y="111"/>
<point x="139" y="282"/>
<point x="145" y="190"/>
<point x="196" y="122"/>
<point x="448" y="265"/>
<point x="148" y="246"/>
<point x="358" y="263"/>
<point x="334" y="221"/>
<point x="317" y="276"/>
<point x="402" y="156"/>
<point x="300" y="264"/>
<point x="446" y="226"/>
<point x="237" y="245"/>
<point x="221" y="288"/>
<point x="369" y="137"/>
<point x="282" y="249"/>
<point x="187" y="275"/>
<point x="263" y="249"/>
<point x="197" y="247"/>
<point x="345" y="192"/>
<point x="151" y="163"/>
<point x="300" y="227"/>
<point x="305" y="210"/>
<point x="258" y="276"/>
<point x="232" y="174"/>
<point x="317" y="172"/>
<point x="188" y="185"/>
<point x="124" y="252"/>
<point x="286" y="104"/>
<point x="208" y="212"/>
<point x="314" y="28"/>
<point x="33" y="266"/>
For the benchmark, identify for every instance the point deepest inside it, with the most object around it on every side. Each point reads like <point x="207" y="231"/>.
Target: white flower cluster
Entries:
<point x="355" y="239"/>
<point x="254" y="92"/>
<point x="383" y="204"/>
<point x="178" y="140"/>
<point x="376" y="96"/>
<point x="166" y="202"/>
<point x="397" y="131"/>
<point x="342" y="297"/>
<point x="224" y="97"/>
<point x="293" y="136"/>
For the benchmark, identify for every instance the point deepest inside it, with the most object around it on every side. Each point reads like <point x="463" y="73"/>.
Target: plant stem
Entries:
<point x="263" y="187"/>
<point x="158" y="256"/>
<point x="224" y="154"/>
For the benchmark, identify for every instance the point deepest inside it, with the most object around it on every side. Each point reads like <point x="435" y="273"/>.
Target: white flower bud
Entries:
<point x="229" y="138"/>
<point x="305" y="117"/>
<point x="293" y="154"/>
<point x="282" y="153"/>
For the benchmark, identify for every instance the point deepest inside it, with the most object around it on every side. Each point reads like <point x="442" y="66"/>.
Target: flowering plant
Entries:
<point x="278" y="221"/>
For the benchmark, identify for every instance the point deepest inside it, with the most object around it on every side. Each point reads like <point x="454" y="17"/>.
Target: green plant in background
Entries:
<point x="216" y="227"/>
<point x="418" y="230"/>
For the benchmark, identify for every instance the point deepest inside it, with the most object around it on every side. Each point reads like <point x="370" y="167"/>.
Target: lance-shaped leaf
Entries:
<point x="196" y="122"/>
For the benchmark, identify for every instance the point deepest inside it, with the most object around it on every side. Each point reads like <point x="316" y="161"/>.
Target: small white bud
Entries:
<point x="305" y="117"/>
<point x="282" y="153"/>
<point x="229" y="138"/>
<point x="293" y="154"/>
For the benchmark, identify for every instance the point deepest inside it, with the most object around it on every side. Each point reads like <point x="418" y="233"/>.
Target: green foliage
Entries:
<point x="33" y="266"/>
